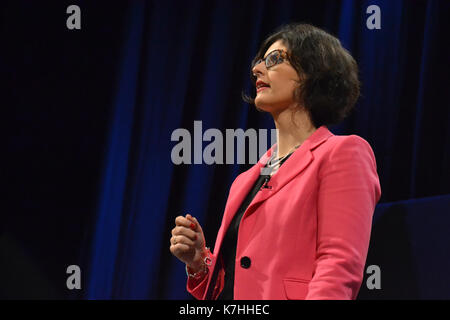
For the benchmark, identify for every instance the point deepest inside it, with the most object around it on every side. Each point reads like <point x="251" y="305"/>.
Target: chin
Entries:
<point x="271" y="105"/>
<point x="265" y="105"/>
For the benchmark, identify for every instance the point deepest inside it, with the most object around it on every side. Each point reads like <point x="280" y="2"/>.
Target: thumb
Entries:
<point x="194" y="222"/>
<point x="197" y="228"/>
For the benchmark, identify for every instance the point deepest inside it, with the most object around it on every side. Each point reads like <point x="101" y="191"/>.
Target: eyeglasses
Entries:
<point x="273" y="58"/>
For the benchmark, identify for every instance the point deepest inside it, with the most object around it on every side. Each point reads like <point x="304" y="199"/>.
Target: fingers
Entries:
<point x="186" y="232"/>
<point x="185" y="222"/>
<point x="194" y="223"/>
<point x="181" y="240"/>
<point x="179" y="248"/>
<point x="189" y="228"/>
<point x="187" y="238"/>
<point x="188" y="222"/>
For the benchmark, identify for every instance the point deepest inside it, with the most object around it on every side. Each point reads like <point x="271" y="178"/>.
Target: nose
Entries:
<point x="258" y="69"/>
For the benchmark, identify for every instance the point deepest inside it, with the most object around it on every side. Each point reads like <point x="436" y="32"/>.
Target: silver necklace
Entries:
<point x="272" y="164"/>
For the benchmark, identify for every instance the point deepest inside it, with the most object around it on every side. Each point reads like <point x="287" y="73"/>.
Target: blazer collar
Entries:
<point x="301" y="157"/>
<point x="294" y="165"/>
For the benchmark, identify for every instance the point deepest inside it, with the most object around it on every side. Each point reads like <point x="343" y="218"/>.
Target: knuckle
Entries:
<point x="191" y="235"/>
<point x="179" y="220"/>
<point x="188" y="241"/>
<point x="178" y="230"/>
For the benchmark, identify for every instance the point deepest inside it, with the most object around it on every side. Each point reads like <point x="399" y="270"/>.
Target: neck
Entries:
<point x="293" y="128"/>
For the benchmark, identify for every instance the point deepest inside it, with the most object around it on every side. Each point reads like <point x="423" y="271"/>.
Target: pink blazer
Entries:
<point x="307" y="237"/>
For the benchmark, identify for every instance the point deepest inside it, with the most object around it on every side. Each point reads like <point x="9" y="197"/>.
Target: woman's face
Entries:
<point x="281" y="79"/>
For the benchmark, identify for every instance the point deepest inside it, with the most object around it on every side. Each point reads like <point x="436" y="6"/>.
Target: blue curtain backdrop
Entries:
<point x="188" y="61"/>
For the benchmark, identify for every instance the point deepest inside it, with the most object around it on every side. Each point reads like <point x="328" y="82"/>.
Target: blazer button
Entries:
<point x="246" y="262"/>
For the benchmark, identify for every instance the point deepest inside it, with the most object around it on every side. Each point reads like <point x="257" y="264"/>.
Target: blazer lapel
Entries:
<point x="294" y="165"/>
<point x="241" y="188"/>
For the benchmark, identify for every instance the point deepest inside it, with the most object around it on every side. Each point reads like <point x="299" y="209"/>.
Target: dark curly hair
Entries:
<point x="330" y="86"/>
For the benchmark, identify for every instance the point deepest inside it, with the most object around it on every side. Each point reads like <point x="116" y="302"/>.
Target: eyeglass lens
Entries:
<point x="272" y="59"/>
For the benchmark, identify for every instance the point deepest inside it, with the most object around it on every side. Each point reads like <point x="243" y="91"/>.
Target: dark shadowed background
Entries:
<point x="88" y="116"/>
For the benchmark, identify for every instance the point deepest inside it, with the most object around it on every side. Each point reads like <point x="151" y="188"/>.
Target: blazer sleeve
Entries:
<point x="198" y="287"/>
<point x="349" y="189"/>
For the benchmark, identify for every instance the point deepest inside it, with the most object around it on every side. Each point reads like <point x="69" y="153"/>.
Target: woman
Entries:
<point x="297" y="224"/>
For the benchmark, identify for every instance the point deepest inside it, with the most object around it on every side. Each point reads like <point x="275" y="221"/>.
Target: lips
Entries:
<point x="261" y="85"/>
<point x="261" y="89"/>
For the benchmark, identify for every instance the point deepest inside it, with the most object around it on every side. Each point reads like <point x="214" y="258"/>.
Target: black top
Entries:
<point x="228" y="248"/>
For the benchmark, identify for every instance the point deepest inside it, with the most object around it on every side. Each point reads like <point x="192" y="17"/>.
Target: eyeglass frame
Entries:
<point x="283" y="53"/>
